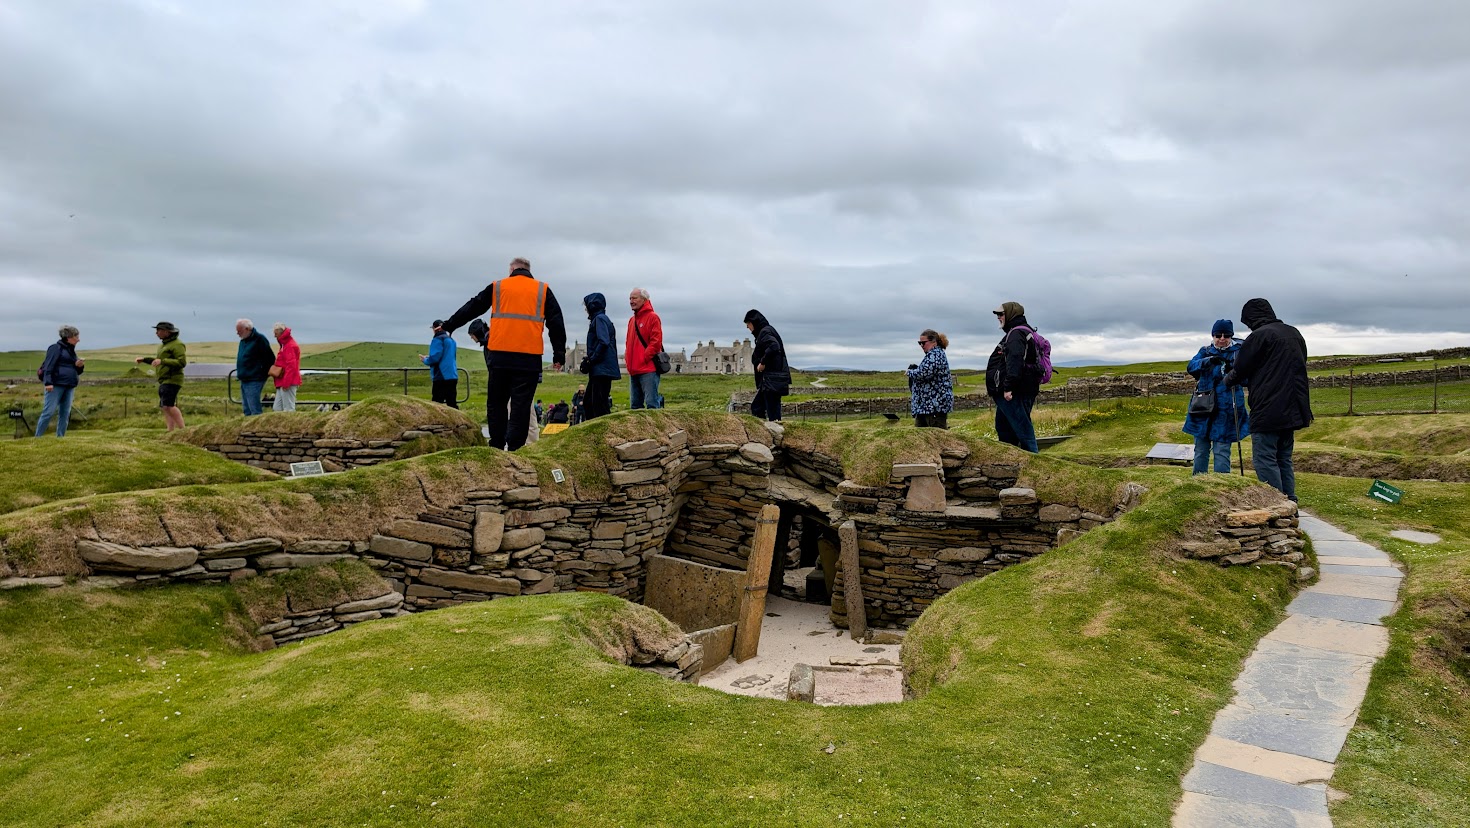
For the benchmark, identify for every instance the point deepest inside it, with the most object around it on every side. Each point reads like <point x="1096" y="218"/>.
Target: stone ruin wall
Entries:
<point x="928" y="529"/>
<point x="276" y="451"/>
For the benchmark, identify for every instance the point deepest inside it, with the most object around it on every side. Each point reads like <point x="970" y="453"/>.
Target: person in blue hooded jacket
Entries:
<point x="443" y="362"/>
<point x="1216" y="432"/>
<point x="601" y="363"/>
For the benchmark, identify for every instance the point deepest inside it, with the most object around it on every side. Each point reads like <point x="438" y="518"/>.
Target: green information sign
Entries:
<point x="1385" y="492"/>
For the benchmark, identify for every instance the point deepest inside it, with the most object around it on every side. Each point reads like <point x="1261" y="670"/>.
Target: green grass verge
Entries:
<point x="33" y="472"/>
<point x="1069" y="690"/>
<point x="1405" y="763"/>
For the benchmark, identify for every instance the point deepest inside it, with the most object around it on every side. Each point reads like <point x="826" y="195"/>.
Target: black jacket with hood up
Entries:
<point x="1273" y="362"/>
<point x="770" y="351"/>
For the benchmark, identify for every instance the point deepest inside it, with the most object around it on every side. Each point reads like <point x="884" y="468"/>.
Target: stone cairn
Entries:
<point x="1269" y="536"/>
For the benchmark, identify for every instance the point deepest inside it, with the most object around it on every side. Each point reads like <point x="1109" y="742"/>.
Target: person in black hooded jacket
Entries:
<point x="1011" y="381"/>
<point x="772" y="374"/>
<point x="1273" y="364"/>
<point x="601" y="363"/>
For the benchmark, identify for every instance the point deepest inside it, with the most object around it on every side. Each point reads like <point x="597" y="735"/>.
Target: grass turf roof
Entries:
<point x="375" y="418"/>
<point x="1071" y="689"/>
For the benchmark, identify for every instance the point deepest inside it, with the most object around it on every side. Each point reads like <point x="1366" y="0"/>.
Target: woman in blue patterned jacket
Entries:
<point x="930" y="385"/>
<point x="1217" y="430"/>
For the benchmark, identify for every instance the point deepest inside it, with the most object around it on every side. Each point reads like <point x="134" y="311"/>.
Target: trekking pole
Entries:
<point x="1239" y="442"/>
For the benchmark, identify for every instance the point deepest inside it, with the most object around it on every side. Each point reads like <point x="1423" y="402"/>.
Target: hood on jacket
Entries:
<point x="1013" y="321"/>
<point x="1257" y="312"/>
<point x="479" y="331"/>
<point x="595" y="303"/>
<point x="285" y="336"/>
<point x="757" y="319"/>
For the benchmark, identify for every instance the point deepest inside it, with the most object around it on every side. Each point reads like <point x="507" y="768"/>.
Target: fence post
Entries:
<point x="1350" y="391"/>
<point x="1436" y="386"/>
<point x="349" y="385"/>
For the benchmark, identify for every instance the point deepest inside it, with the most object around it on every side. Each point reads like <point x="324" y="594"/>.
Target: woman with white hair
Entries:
<point x="59" y="371"/>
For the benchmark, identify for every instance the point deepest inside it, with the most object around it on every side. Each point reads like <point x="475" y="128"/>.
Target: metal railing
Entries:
<point x="463" y="387"/>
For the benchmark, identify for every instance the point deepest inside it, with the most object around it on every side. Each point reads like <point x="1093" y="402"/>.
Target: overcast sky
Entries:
<point x="1129" y="171"/>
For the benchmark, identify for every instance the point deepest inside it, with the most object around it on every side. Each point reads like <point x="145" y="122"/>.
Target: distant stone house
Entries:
<point x="707" y="359"/>
<point x="712" y="359"/>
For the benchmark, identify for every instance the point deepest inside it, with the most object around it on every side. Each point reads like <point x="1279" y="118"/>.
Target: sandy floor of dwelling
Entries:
<point x="795" y="632"/>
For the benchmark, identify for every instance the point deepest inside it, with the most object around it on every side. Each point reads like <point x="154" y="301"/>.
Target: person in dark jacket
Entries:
<point x="931" y="388"/>
<point x="1228" y="423"/>
<point x="1012" y="379"/>
<point x="480" y="333"/>
<point x="601" y="363"/>
<point x="772" y="374"/>
<point x="1273" y="363"/>
<point x="60" y="370"/>
<point x="579" y="405"/>
<point x="523" y="310"/>
<point x="253" y="361"/>
<point x="443" y="363"/>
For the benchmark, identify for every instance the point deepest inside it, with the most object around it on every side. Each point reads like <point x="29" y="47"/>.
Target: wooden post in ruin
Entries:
<point x="852" y="581"/>
<point x="757" y="572"/>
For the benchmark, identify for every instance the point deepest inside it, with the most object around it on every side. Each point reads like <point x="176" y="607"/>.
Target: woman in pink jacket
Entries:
<point x="287" y="370"/>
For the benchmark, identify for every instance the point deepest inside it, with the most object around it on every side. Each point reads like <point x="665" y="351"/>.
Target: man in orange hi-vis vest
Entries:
<point x="522" y="310"/>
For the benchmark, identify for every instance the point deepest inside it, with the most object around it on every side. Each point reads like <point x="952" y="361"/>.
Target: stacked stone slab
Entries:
<point x="308" y="623"/>
<point x="1270" y="536"/>
<point x="276" y="451"/>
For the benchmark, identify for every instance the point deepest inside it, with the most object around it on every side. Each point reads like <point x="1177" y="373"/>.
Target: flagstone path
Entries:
<point x="1270" y="754"/>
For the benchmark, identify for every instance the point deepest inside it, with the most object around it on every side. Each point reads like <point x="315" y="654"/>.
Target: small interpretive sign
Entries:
<point x="556" y="474"/>
<point x="1384" y="492"/>
<point x="307" y="469"/>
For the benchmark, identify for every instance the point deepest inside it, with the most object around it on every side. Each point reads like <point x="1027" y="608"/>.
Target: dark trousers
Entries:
<point x="598" y="400"/>
<point x="446" y="392"/>
<point x="931" y="420"/>
<point x="518" y="390"/>
<point x="1013" y="421"/>
<point x="766" y="405"/>
<point x="1271" y="457"/>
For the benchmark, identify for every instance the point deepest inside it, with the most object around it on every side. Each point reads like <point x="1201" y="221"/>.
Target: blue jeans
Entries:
<point x="1202" y="451"/>
<point x="643" y="391"/>
<point x="1013" y="421"/>
<point x="1271" y="456"/>
<point x="250" y="396"/>
<point x="58" y="405"/>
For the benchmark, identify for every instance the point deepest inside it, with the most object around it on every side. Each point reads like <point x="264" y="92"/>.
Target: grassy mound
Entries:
<point x="303" y="590"/>
<point x="1071" y="689"/>
<point x="34" y="472"/>
<point x="376" y="418"/>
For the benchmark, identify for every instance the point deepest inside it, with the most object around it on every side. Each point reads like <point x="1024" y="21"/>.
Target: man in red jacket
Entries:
<point x="645" y="339"/>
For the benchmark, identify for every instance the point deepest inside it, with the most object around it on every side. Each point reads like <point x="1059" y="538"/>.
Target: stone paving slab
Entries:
<point x="1275" y="731"/>
<point x="1350" y="549"/>
<point x="1228" y="783"/>
<point x="1341" y="607"/>
<point x="1204" y="811"/>
<point x="1303" y="682"/>
<point x="1374" y="571"/>
<point x="1320" y="530"/>
<point x="1272" y="764"/>
<point x="1415" y="536"/>
<point x="1331" y="634"/>
<point x="1358" y="586"/>
<point x="1344" y="560"/>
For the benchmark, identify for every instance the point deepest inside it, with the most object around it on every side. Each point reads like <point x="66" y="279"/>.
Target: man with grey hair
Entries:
<point x="253" y="363"/>
<point x="645" y="341"/>
<point x="59" y="371"/>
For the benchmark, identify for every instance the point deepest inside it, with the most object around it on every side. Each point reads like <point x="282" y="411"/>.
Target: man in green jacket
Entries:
<point x="168" y="366"/>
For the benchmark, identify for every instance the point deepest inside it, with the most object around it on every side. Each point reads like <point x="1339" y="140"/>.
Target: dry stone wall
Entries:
<point x="927" y="529"/>
<point x="276" y="451"/>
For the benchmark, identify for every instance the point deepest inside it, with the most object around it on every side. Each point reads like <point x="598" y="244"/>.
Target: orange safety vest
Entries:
<point x="517" y="315"/>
